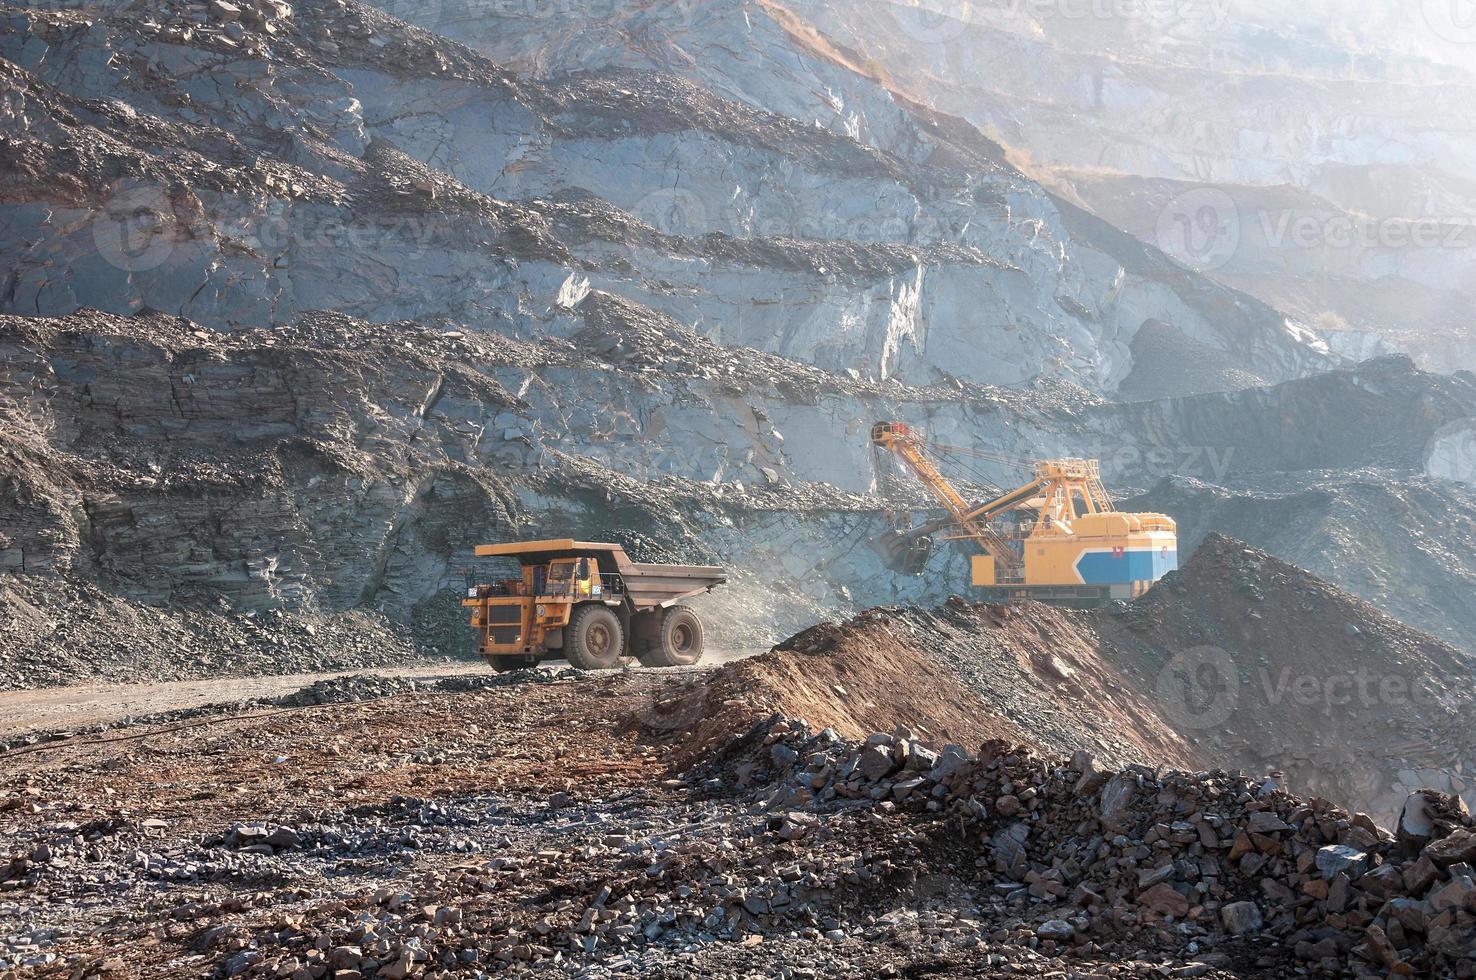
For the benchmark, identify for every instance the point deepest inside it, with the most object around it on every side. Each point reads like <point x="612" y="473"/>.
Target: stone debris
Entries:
<point x="1203" y="873"/>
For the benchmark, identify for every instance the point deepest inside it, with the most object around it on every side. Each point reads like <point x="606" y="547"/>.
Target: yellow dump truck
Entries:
<point x="589" y="603"/>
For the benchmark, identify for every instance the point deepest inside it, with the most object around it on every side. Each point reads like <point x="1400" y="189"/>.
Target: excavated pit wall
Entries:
<point x="580" y="316"/>
<point x="336" y="464"/>
<point x="347" y="222"/>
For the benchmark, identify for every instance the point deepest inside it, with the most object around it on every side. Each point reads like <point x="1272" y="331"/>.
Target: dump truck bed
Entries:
<point x="648" y="586"/>
<point x="661" y="585"/>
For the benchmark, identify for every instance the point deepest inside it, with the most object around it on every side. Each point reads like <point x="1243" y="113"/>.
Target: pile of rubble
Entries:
<point x="997" y="858"/>
<point x="1088" y="856"/>
<point x="460" y="833"/>
<point x="59" y="629"/>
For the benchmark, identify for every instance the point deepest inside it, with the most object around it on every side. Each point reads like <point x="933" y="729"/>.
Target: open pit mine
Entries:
<point x="749" y="488"/>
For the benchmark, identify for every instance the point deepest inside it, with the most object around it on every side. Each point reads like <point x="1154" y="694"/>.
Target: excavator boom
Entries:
<point x="906" y="550"/>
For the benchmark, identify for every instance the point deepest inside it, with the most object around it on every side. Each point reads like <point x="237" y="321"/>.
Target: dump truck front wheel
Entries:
<point x="594" y="639"/>
<point x="678" y="642"/>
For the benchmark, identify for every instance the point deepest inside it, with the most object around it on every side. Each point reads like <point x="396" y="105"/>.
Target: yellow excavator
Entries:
<point x="1077" y="550"/>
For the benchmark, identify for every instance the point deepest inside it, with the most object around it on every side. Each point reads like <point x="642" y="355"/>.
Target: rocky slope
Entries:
<point x="335" y="465"/>
<point x="374" y="295"/>
<point x="1237" y="659"/>
<point x="422" y="179"/>
<point x="1257" y="662"/>
<point x="1319" y="162"/>
<point x="1386" y="536"/>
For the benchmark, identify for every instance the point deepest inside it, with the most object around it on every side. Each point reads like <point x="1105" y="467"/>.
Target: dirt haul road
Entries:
<point x="56" y="709"/>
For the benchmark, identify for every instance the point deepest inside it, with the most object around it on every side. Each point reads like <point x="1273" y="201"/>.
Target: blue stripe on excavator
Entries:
<point x="1138" y="565"/>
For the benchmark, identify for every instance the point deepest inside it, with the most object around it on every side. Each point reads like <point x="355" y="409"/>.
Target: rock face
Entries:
<point x="1322" y="169"/>
<point x="333" y="464"/>
<point x="1236" y="659"/>
<point x="1387" y="535"/>
<point x="422" y="179"/>
<point x="373" y="296"/>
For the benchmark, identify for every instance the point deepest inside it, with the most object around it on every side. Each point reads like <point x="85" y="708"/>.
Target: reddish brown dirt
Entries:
<point x="858" y="678"/>
<point x="881" y="670"/>
<point x="497" y="740"/>
<point x="1285" y="673"/>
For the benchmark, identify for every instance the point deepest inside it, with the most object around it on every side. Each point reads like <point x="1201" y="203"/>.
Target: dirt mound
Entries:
<point x="855" y="677"/>
<point x="959" y="674"/>
<point x="1236" y="660"/>
<point x="1404" y="541"/>
<point x="1262" y="664"/>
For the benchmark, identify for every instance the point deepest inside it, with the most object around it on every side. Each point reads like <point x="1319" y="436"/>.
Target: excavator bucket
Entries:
<point x="903" y="553"/>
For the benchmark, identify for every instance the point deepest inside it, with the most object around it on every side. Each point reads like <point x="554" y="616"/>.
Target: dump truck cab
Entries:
<point x="588" y="602"/>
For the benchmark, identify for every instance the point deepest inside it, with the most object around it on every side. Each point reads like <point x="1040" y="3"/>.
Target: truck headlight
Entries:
<point x="542" y="610"/>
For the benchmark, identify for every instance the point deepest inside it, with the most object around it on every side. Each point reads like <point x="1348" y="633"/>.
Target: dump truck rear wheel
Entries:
<point x="679" y="640"/>
<point x="594" y="639"/>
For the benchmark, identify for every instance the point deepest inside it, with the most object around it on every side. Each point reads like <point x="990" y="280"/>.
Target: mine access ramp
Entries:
<point x="589" y="603"/>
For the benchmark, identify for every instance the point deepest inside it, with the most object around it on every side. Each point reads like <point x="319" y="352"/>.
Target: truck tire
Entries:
<point x="678" y="641"/>
<point x="594" y="639"/>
